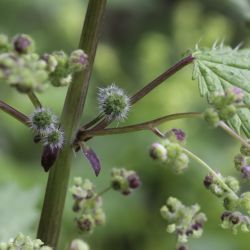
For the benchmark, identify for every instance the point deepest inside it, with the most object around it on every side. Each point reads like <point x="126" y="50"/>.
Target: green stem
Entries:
<point x="102" y="192"/>
<point x="232" y="133"/>
<point x="211" y="171"/>
<point x="34" y="99"/>
<point x="93" y="122"/>
<point x="14" y="113"/>
<point x="51" y="216"/>
<point x="149" y="125"/>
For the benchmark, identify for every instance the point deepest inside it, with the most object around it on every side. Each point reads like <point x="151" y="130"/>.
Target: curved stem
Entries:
<point x="53" y="206"/>
<point x="34" y="99"/>
<point x="14" y="113"/>
<point x="93" y="122"/>
<point x="149" y="125"/>
<point x="210" y="170"/>
<point x="232" y="133"/>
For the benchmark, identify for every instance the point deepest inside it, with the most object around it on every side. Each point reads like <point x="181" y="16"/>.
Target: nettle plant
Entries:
<point x="223" y="76"/>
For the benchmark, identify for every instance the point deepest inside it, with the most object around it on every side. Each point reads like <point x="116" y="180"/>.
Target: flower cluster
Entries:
<point x="113" y="103"/>
<point x="242" y="162"/>
<point x="170" y="152"/>
<point x="224" y="106"/>
<point x="22" y="242"/>
<point x="21" y="67"/>
<point x="44" y="123"/>
<point x="124" y="181"/>
<point x="184" y="221"/>
<point x="237" y="206"/>
<point x="87" y="204"/>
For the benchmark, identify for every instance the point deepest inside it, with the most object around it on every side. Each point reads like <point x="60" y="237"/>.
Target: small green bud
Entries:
<point x="78" y="244"/>
<point x="239" y="161"/>
<point x="227" y="112"/>
<point x="211" y="116"/>
<point x="158" y="152"/>
<point x="244" y="201"/>
<point x="233" y="183"/>
<point x="23" y="44"/>
<point x="180" y="164"/>
<point x="113" y="103"/>
<point x="78" y="60"/>
<point x="99" y="217"/>
<point x="245" y="150"/>
<point x="50" y="61"/>
<point x="171" y="228"/>
<point x="230" y="202"/>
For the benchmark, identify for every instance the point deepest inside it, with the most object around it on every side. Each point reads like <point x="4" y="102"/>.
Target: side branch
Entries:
<point x="161" y="78"/>
<point x="149" y="125"/>
<point x="149" y="87"/>
<point x="14" y="113"/>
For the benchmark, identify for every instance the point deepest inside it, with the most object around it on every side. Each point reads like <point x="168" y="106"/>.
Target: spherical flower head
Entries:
<point x="245" y="150"/>
<point x="133" y="180"/>
<point x="86" y="223"/>
<point x="54" y="139"/>
<point x="113" y="102"/>
<point x="233" y="183"/>
<point x="239" y="161"/>
<point x="78" y="60"/>
<point x="230" y="202"/>
<point x="23" y="44"/>
<point x="179" y="134"/>
<point x="78" y="244"/>
<point x="158" y="152"/>
<point x="42" y="120"/>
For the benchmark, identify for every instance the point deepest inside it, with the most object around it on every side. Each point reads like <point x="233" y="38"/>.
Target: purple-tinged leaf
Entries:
<point x="49" y="156"/>
<point x="92" y="158"/>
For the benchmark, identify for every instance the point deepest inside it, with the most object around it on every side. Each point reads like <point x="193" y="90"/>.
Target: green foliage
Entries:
<point x="220" y="68"/>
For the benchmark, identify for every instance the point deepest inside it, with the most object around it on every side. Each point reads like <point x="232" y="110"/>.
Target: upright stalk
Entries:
<point x="51" y="216"/>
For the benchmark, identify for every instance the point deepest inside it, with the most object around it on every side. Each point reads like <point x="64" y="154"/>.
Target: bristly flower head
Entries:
<point x="54" y="139"/>
<point x="42" y="120"/>
<point x="113" y="102"/>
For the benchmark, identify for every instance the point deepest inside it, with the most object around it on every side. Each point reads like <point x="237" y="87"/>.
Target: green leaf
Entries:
<point x="220" y="68"/>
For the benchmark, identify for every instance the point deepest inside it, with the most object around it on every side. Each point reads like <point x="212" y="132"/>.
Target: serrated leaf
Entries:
<point x="220" y="68"/>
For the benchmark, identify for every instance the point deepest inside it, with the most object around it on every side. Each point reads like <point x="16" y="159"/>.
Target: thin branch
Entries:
<point x="93" y="122"/>
<point x="34" y="99"/>
<point x="232" y="133"/>
<point x="210" y="170"/>
<point x="149" y="125"/>
<point x="161" y="78"/>
<point x="14" y="113"/>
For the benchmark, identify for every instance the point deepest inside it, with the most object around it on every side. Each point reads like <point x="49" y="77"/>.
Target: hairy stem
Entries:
<point x="51" y="217"/>
<point x="34" y="99"/>
<point x="211" y="171"/>
<point x="14" y="113"/>
<point x="149" y="125"/>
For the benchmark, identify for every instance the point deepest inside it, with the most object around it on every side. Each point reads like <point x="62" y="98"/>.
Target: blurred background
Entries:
<point x="139" y="41"/>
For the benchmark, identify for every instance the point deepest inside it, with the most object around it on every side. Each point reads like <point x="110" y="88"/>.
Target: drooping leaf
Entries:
<point x="220" y="68"/>
<point x="92" y="158"/>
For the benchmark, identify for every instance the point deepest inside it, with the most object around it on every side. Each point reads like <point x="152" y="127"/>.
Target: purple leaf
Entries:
<point x="92" y="158"/>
